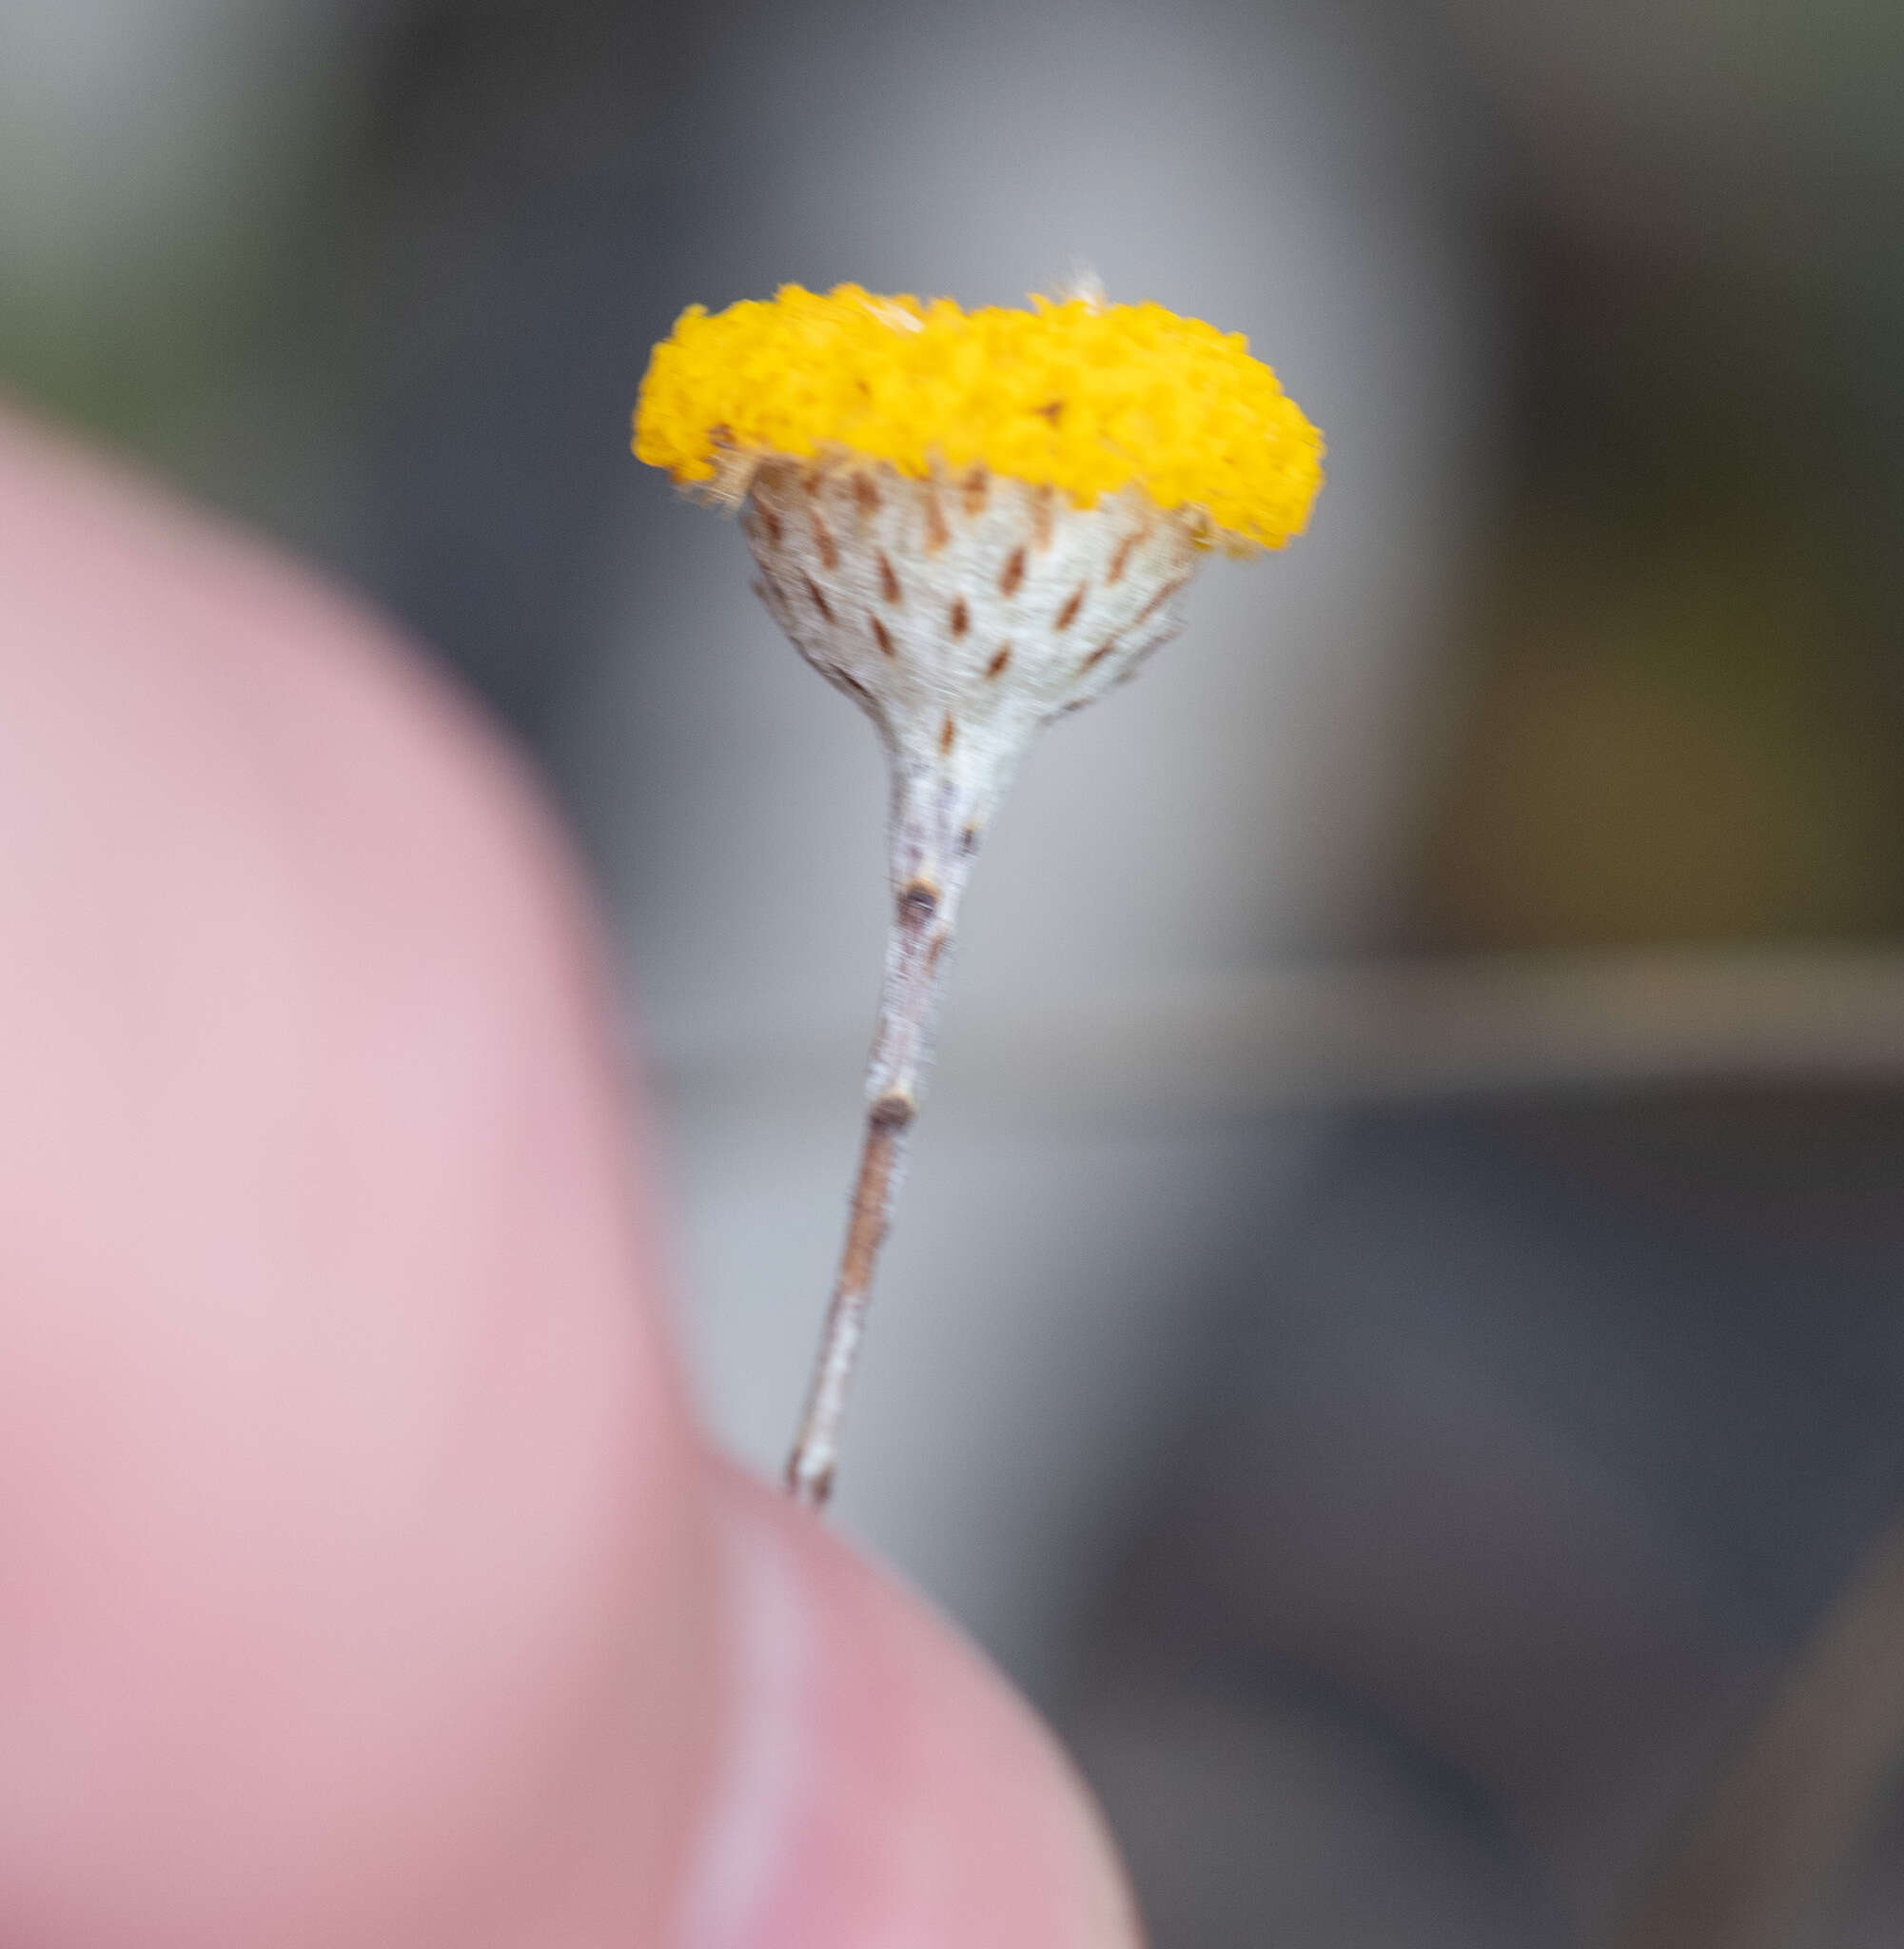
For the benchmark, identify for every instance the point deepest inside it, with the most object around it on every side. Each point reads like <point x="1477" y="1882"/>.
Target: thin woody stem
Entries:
<point x="933" y="842"/>
<point x="810" y="1469"/>
<point x="1752" y="1864"/>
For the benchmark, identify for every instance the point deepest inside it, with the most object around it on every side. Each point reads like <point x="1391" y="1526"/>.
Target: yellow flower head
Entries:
<point x="1084" y="397"/>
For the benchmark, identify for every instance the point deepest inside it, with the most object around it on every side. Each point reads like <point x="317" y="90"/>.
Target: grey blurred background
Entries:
<point x="1392" y="1337"/>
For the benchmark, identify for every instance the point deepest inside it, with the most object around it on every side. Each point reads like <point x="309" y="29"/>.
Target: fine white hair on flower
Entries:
<point x="894" y="315"/>
<point x="1081" y="285"/>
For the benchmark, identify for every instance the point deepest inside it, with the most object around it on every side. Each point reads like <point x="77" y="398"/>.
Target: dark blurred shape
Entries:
<point x="1688" y="705"/>
<point x="1543" y="1433"/>
<point x="520" y="260"/>
<point x="1688" y="699"/>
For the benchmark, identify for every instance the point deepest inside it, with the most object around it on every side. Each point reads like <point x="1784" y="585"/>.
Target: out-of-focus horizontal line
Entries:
<point x="1357" y="1032"/>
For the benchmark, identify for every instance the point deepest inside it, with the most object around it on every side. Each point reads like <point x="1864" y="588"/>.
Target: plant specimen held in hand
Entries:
<point x="969" y="523"/>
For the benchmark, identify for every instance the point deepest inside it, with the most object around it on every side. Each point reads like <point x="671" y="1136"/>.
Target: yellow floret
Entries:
<point x="1088" y="398"/>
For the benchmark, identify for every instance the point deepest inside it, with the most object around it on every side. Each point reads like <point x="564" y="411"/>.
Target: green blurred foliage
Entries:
<point x="1681" y="733"/>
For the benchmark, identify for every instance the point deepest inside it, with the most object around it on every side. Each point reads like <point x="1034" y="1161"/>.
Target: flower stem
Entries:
<point x="934" y="833"/>
<point x="810" y="1467"/>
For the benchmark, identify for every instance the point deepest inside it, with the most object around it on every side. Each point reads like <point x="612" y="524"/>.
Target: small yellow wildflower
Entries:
<point x="1087" y="398"/>
<point x="972" y="524"/>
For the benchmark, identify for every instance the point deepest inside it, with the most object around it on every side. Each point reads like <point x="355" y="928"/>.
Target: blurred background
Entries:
<point x="1393" y="1334"/>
